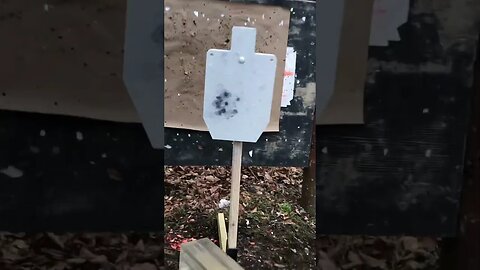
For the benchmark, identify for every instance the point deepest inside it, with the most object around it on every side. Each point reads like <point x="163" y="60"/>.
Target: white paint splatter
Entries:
<point x="220" y="149"/>
<point x="291" y="9"/>
<point x="79" y="136"/>
<point x="208" y="19"/>
<point x="178" y="94"/>
<point x="12" y="172"/>
<point x="385" y="151"/>
<point x="250" y="153"/>
<point x="245" y="23"/>
<point x="263" y="16"/>
<point x="325" y="150"/>
<point x="43" y="133"/>
<point x="195" y="13"/>
<point x="304" y="18"/>
<point x="167" y="8"/>
<point x="168" y="146"/>
<point x="189" y="135"/>
<point x="248" y="19"/>
<point x="428" y="153"/>
<point x="281" y="23"/>
<point x="426" y="110"/>
<point x="203" y="15"/>
<point x="222" y="15"/>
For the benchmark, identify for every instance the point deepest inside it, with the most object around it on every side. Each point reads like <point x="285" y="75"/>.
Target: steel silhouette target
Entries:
<point x="238" y="89"/>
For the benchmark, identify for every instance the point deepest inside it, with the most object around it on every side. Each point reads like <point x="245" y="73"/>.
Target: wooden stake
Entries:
<point x="222" y="232"/>
<point x="234" y="198"/>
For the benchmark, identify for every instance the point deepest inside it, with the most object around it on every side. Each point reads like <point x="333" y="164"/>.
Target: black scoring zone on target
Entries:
<point x="225" y="104"/>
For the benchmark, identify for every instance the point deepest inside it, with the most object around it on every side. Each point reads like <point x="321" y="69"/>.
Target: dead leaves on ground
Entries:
<point x="87" y="251"/>
<point x="380" y="253"/>
<point x="268" y="231"/>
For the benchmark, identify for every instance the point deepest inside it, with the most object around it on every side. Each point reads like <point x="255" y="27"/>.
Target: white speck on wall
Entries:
<point x="298" y="81"/>
<point x="222" y="15"/>
<point x="79" y="136"/>
<point x="250" y="153"/>
<point x="220" y="149"/>
<point x="12" y="172"/>
<point x="426" y="110"/>
<point x="299" y="140"/>
<point x="189" y="135"/>
<point x="385" y="151"/>
<point x="304" y="18"/>
<point x="43" y="133"/>
<point x="291" y="9"/>
<point x="298" y="127"/>
<point x="281" y="23"/>
<point x="104" y="155"/>
<point x="168" y="146"/>
<point x="46" y="7"/>
<point x="263" y="16"/>
<point x="428" y="153"/>
<point x="203" y="15"/>
<point x="266" y="139"/>
<point x="178" y="134"/>
<point x="253" y="23"/>
<point x="165" y="80"/>
<point x="248" y="19"/>
<point x="245" y="23"/>
<point x="218" y="20"/>
<point x="208" y="19"/>
<point x="195" y="13"/>
<point x="325" y="150"/>
<point x="178" y="94"/>
<point x="167" y="8"/>
<point x="286" y="139"/>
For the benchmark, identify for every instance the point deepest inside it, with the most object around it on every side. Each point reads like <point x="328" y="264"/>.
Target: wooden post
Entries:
<point x="462" y="252"/>
<point x="308" y="197"/>
<point x="234" y="199"/>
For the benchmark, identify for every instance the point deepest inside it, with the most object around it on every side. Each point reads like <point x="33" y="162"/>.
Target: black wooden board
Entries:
<point x="60" y="173"/>
<point x="402" y="172"/>
<point x="288" y="147"/>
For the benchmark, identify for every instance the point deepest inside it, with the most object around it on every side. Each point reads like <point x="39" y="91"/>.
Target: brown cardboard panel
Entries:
<point x="192" y="27"/>
<point x="64" y="58"/>
<point x="346" y="104"/>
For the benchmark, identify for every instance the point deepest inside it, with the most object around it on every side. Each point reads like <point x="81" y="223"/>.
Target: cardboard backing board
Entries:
<point x="192" y="27"/>
<point x="64" y="58"/>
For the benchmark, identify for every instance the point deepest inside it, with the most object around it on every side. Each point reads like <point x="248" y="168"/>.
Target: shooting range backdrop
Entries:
<point x="290" y="146"/>
<point x="402" y="171"/>
<point x="73" y="154"/>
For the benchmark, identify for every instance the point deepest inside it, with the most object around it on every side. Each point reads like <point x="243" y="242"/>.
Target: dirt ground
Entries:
<point x="274" y="231"/>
